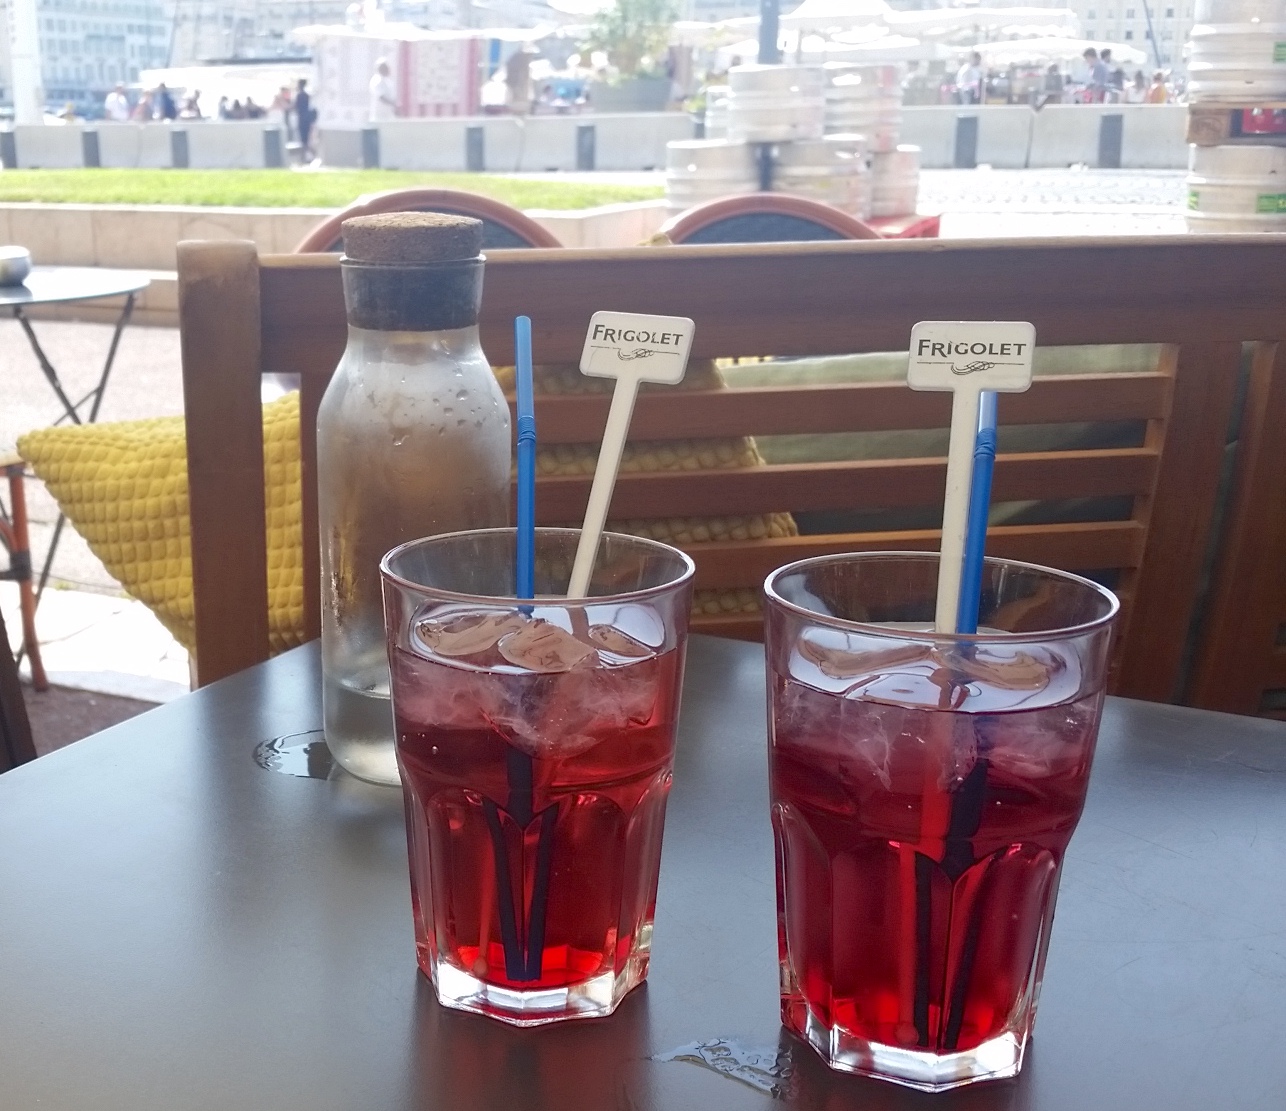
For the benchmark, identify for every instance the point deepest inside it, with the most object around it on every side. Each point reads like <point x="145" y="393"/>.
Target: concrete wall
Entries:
<point x="1008" y="137"/>
<point x="1059" y="134"/>
<point x="611" y="225"/>
<point x="41" y="147"/>
<point x="629" y="141"/>
<point x="144" y="238"/>
<point x="125" y="145"/>
<point x="340" y="147"/>
<point x="230" y="145"/>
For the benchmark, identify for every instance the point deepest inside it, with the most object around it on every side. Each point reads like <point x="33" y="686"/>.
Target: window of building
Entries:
<point x="1169" y="13"/>
<point x="1129" y="13"/>
<point x="1089" y="14"/>
<point x="1129" y="35"/>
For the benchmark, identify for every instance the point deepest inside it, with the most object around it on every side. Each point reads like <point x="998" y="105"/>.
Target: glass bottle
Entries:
<point x="412" y="440"/>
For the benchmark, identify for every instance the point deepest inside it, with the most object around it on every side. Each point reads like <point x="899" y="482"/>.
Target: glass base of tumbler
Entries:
<point x="594" y="998"/>
<point x="997" y="1059"/>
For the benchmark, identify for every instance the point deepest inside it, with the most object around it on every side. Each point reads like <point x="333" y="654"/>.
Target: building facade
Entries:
<point x="1139" y="23"/>
<point x="87" y="46"/>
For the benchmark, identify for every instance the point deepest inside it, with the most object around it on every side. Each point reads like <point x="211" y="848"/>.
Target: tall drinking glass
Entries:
<point x="924" y="789"/>
<point x="536" y="744"/>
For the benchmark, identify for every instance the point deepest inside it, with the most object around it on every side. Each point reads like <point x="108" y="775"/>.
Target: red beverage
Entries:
<point x="922" y="799"/>
<point x="535" y="794"/>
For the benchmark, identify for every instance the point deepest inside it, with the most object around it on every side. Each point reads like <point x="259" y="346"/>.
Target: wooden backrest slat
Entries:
<point x="1247" y="605"/>
<point x="846" y="407"/>
<point x="1177" y="514"/>
<point x="312" y="387"/>
<point x="833" y="298"/>
<point x="1089" y="546"/>
<point x="1275" y="679"/>
<point x="851" y="484"/>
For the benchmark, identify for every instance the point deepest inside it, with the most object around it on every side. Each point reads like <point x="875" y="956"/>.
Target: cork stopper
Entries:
<point x="411" y="238"/>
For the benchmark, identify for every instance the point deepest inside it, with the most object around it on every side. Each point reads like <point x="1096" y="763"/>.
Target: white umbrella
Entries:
<point x="894" y="48"/>
<point x="945" y="21"/>
<point x="821" y="15"/>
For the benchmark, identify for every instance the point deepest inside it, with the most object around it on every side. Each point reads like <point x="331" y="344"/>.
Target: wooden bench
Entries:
<point x="243" y="316"/>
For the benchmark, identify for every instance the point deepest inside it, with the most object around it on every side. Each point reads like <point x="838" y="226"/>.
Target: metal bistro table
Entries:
<point x="181" y="929"/>
<point x="47" y="285"/>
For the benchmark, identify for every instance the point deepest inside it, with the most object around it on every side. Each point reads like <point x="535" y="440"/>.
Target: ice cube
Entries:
<point x="871" y="658"/>
<point x="1013" y="671"/>
<point x="561" y="703"/>
<point x="616" y="643"/>
<point x="470" y="634"/>
<point x="445" y="696"/>
<point x="1048" y="742"/>
<point x="543" y="647"/>
<point x="584" y="707"/>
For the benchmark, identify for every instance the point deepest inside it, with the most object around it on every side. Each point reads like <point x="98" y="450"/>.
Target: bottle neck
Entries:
<point x="432" y="297"/>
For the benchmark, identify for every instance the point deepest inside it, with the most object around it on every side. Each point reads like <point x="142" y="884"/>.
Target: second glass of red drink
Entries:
<point x="924" y="789"/>
<point x="535" y="740"/>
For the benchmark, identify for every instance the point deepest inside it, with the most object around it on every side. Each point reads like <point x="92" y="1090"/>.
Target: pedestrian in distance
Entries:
<point x="304" y="119"/>
<point x="164" y="103"/>
<point x="969" y="80"/>
<point x="383" y="97"/>
<point x="116" y="105"/>
<point x="1096" y="82"/>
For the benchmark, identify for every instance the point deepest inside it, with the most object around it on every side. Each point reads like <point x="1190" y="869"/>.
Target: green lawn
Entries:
<point x="286" y="189"/>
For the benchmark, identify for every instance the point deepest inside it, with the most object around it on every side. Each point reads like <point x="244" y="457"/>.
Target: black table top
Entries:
<point x="181" y="929"/>
<point x="47" y="284"/>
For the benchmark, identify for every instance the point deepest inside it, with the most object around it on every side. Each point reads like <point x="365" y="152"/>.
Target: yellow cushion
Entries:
<point x="124" y="488"/>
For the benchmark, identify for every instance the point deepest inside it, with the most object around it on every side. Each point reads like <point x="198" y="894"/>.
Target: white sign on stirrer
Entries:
<point x="965" y="357"/>
<point x="631" y="348"/>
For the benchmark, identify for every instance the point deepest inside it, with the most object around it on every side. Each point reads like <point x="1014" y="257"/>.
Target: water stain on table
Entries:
<point x="300" y="754"/>
<point x="768" y="1070"/>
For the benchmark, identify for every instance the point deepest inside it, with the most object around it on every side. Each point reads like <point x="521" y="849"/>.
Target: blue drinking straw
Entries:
<point x="525" y="568"/>
<point x="984" y="461"/>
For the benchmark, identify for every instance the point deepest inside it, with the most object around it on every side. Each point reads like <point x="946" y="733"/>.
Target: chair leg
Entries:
<point x="20" y="560"/>
<point x="16" y="745"/>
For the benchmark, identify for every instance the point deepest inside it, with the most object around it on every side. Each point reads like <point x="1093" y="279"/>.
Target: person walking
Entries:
<point x="304" y="117"/>
<point x="383" y="97"/>
<point x="1096" y="82"/>
<point x="280" y="111"/>
<point x="116" y="105"/>
<point x="1137" y="91"/>
<point x="518" y="81"/>
<point x="164" y="103"/>
<point x="969" y="80"/>
<point x="1158" y="91"/>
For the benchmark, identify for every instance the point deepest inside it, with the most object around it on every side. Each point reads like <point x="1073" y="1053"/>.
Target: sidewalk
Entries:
<point x="100" y="643"/>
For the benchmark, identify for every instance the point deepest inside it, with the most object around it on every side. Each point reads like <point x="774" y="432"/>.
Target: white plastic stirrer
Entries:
<point x="631" y="348"/>
<point x="966" y="358"/>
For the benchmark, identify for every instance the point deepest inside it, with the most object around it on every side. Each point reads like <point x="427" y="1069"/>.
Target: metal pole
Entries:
<point x="24" y="62"/>
<point x="769" y="23"/>
<point x="1156" y="50"/>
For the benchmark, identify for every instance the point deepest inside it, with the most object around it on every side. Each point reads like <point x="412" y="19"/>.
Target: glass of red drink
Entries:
<point x="924" y="789"/>
<point x="536" y="743"/>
